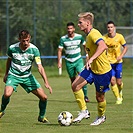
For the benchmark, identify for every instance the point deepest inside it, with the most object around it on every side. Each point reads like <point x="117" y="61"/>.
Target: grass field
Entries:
<point x="22" y="112"/>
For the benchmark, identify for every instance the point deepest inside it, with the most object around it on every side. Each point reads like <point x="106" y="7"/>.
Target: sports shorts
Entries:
<point x="28" y="83"/>
<point x="101" y="82"/>
<point x="74" y="67"/>
<point x="117" y="70"/>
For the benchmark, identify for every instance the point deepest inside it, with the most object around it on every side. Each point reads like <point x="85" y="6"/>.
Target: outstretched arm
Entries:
<point x="59" y="57"/>
<point x="8" y="64"/>
<point x="43" y="74"/>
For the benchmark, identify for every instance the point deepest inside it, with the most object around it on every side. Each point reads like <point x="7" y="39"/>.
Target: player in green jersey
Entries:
<point x="18" y="72"/>
<point x="74" y="62"/>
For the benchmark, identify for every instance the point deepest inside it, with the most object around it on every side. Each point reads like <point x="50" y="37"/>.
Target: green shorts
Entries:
<point x="28" y="83"/>
<point x="74" y="67"/>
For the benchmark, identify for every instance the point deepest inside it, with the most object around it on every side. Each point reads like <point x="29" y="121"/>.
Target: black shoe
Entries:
<point x="43" y="120"/>
<point x="87" y="99"/>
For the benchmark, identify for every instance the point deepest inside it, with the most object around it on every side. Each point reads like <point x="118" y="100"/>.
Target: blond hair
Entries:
<point x="87" y="15"/>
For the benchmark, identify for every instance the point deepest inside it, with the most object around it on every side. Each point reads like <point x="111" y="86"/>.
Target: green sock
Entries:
<point x="42" y="107"/>
<point x="4" y="103"/>
<point x="84" y="88"/>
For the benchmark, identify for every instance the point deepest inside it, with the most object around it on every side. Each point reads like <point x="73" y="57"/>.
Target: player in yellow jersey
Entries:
<point x="98" y="70"/>
<point x="115" y="43"/>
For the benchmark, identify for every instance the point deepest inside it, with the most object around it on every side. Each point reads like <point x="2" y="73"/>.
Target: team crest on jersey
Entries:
<point x="30" y="57"/>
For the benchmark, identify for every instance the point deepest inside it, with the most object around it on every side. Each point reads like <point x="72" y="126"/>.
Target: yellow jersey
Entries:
<point x="101" y="64"/>
<point x="114" y="47"/>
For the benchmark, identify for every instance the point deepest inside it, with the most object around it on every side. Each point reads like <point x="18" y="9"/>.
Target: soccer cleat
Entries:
<point x="98" y="121"/>
<point x="1" y="114"/>
<point x="83" y="114"/>
<point x="121" y="95"/>
<point x="43" y="120"/>
<point x="87" y="99"/>
<point x="119" y="101"/>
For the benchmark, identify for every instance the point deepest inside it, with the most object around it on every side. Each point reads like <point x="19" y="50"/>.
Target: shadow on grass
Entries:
<point x="63" y="101"/>
<point x="56" y="124"/>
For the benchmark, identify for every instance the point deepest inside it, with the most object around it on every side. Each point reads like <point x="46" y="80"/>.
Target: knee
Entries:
<point x="113" y="82"/>
<point x="100" y="98"/>
<point x="74" y="87"/>
<point x="44" y="98"/>
<point x="119" y="83"/>
<point x="7" y="94"/>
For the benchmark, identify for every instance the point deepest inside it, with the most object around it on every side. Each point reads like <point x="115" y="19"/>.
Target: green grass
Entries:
<point x="22" y="112"/>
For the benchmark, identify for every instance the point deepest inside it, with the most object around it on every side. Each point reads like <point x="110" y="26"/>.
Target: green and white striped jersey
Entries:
<point x="72" y="46"/>
<point x="22" y="60"/>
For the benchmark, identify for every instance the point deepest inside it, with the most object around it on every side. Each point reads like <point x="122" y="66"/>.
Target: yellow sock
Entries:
<point x="79" y="95"/>
<point x="101" y="108"/>
<point x="115" y="91"/>
<point x="120" y="89"/>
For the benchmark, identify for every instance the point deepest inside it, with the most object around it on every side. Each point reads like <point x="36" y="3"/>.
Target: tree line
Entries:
<point x="46" y="19"/>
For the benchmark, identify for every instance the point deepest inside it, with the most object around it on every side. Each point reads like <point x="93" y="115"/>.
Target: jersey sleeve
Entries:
<point x="9" y="52"/>
<point x="123" y="42"/>
<point x="37" y="56"/>
<point x="61" y="43"/>
<point x="82" y="40"/>
<point x="96" y="37"/>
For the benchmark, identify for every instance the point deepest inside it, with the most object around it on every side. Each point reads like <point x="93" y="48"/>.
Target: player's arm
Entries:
<point x="8" y="64"/>
<point x="59" y="57"/>
<point x="43" y="73"/>
<point x="125" y="48"/>
<point x="100" y="49"/>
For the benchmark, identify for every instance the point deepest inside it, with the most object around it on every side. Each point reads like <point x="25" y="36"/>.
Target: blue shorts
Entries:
<point x="101" y="81"/>
<point x="117" y="70"/>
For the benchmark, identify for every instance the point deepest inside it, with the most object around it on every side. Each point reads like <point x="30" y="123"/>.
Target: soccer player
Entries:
<point x="18" y="72"/>
<point x="98" y="70"/>
<point x="74" y="62"/>
<point x="117" y="48"/>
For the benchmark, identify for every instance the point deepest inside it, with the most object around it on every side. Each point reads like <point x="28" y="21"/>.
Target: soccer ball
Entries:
<point x="65" y="118"/>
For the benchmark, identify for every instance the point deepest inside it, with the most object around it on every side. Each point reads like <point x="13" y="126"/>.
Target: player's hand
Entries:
<point x="88" y="64"/>
<point x="119" y="58"/>
<point x="49" y="87"/>
<point x="59" y="65"/>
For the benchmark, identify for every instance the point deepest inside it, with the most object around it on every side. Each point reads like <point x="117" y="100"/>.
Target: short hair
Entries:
<point x="87" y="15"/>
<point x="70" y="24"/>
<point x="24" y="34"/>
<point x="110" y="22"/>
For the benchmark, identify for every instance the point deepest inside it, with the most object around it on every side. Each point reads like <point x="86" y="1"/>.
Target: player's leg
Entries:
<point x="120" y="87"/>
<point x="42" y="104"/>
<point x="79" y="66"/>
<point x="81" y="80"/>
<point x="102" y="85"/>
<point x="5" y="99"/>
<point x="9" y="88"/>
<point x="71" y="71"/>
<point x="115" y="90"/>
<point x="119" y="79"/>
<point x="78" y="83"/>
<point x="114" y="86"/>
<point x="30" y="84"/>
<point x="101" y="109"/>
